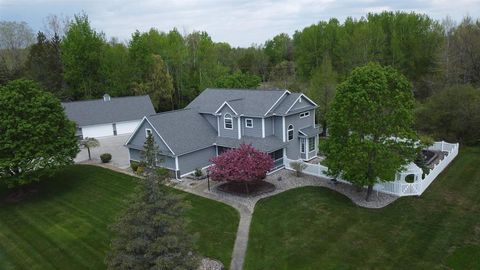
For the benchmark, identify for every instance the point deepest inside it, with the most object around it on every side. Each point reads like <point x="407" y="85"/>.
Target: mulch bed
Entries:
<point x="240" y="189"/>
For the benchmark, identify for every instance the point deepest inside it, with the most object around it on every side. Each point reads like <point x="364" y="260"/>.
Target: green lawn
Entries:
<point x="316" y="228"/>
<point x="64" y="225"/>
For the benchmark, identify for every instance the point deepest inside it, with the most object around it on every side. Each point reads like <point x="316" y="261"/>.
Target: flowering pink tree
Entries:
<point x="244" y="164"/>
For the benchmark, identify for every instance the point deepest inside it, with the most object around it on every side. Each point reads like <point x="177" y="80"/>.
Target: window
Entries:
<point x="290" y="132"/>
<point x="148" y="132"/>
<point x="249" y="122"/>
<point x="227" y="121"/>
<point x="304" y="114"/>
<point x="302" y="145"/>
<point x="311" y="144"/>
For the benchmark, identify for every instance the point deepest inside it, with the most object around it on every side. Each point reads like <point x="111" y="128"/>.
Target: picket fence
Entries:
<point x="397" y="187"/>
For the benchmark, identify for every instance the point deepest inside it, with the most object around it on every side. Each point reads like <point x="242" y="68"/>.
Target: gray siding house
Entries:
<point x="277" y="122"/>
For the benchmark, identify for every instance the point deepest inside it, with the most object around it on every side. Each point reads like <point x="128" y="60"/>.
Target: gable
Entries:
<point x="137" y="139"/>
<point x="301" y="103"/>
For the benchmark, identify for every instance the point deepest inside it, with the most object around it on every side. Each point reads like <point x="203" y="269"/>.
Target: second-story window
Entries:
<point x="290" y="132"/>
<point x="148" y="132"/>
<point x="304" y="114"/>
<point x="249" y="123"/>
<point x="227" y="121"/>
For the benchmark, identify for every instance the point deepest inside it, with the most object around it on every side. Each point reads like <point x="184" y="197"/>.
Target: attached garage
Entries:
<point x="108" y="116"/>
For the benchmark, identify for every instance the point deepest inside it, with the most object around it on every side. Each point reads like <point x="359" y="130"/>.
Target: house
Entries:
<point x="108" y="116"/>
<point x="277" y="122"/>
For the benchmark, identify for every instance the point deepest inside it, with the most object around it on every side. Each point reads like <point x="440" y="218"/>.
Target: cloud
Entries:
<point x="239" y="22"/>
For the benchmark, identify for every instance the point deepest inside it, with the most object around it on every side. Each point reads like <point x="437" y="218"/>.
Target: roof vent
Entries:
<point x="106" y="97"/>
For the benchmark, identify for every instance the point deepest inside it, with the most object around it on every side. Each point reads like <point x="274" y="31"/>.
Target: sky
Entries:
<point x="238" y="22"/>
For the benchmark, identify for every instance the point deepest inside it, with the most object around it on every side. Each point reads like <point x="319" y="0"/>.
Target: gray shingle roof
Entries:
<point x="184" y="130"/>
<point x="282" y="107"/>
<point x="267" y="144"/>
<point x="92" y="112"/>
<point x="244" y="101"/>
<point x="309" y="131"/>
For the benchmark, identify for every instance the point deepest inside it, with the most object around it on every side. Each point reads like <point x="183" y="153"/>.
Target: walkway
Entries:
<point x="283" y="180"/>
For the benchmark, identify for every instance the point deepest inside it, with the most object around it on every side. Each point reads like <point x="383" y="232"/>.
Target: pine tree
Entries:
<point x="151" y="233"/>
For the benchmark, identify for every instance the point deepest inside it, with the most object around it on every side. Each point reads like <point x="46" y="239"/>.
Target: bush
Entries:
<point x="106" y="157"/>
<point x="134" y="165"/>
<point x="298" y="166"/>
<point x="198" y="172"/>
<point x="140" y="170"/>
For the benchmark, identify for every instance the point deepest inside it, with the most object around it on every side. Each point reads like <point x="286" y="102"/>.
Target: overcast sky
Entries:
<point x="239" y="23"/>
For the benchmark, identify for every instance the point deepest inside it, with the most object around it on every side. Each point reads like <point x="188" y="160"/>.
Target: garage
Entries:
<point x="108" y="116"/>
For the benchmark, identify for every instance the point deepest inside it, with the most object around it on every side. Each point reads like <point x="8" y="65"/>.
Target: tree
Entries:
<point x="152" y="231"/>
<point x="44" y="64"/>
<point x="82" y="52"/>
<point x="89" y="143"/>
<point x="159" y="85"/>
<point x="452" y="114"/>
<point x="238" y="80"/>
<point x="36" y="136"/>
<point x="371" y="127"/>
<point x="15" y="38"/>
<point x="322" y="91"/>
<point x="244" y="164"/>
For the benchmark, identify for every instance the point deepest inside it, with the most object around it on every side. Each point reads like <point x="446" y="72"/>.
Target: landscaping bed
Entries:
<point x="255" y="188"/>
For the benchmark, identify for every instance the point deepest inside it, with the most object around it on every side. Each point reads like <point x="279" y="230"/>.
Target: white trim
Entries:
<point x="218" y="125"/>
<point x="226" y="103"/>
<point x="288" y="132"/>
<point x="276" y="170"/>
<point x="239" y="120"/>
<point x="160" y="136"/>
<point x="225" y="121"/>
<point x="176" y="163"/>
<point x="301" y="95"/>
<point x="283" y="128"/>
<point x="302" y="132"/>
<point x="135" y="130"/>
<point x="263" y="127"/>
<point x="286" y="91"/>
<point x="304" y="144"/>
<point x="185" y="174"/>
<point x="246" y="121"/>
<point x="146" y="132"/>
<point x="156" y="131"/>
<point x="305" y="114"/>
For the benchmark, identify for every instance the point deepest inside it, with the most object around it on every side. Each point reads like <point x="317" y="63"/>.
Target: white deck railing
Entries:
<point x="399" y="188"/>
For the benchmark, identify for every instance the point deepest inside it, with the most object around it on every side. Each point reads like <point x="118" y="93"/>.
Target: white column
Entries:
<point x="283" y="128"/>
<point x="239" y="128"/>
<point x="263" y="127"/>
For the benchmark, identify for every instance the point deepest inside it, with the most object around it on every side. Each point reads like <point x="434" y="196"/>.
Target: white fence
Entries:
<point x="398" y="187"/>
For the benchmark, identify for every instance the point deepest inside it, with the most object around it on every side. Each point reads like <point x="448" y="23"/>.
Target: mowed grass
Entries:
<point x="316" y="228"/>
<point x="65" y="224"/>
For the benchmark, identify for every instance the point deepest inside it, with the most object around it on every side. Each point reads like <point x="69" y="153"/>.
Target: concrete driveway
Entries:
<point x="111" y="144"/>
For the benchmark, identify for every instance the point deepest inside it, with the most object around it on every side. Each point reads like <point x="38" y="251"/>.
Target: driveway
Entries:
<point x="111" y="144"/>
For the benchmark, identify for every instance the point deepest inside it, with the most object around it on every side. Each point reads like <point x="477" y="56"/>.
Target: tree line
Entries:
<point x="75" y="61"/>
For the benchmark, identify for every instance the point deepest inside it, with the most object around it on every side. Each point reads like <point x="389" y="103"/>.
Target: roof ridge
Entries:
<point x="248" y="89"/>
<point x="101" y="99"/>
<point x="172" y="111"/>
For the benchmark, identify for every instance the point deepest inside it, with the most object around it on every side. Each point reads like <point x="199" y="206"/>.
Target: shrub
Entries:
<point x="198" y="172"/>
<point x="298" y="166"/>
<point x="140" y="170"/>
<point x="134" y="165"/>
<point x="106" y="157"/>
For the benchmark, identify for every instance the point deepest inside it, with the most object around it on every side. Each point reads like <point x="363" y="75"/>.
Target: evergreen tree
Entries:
<point x="152" y="232"/>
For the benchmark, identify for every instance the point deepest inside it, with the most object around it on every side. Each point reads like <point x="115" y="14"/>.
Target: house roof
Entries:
<point x="309" y="131"/>
<point x="267" y="144"/>
<point x="98" y="111"/>
<point x="184" y="130"/>
<point x="248" y="102"/>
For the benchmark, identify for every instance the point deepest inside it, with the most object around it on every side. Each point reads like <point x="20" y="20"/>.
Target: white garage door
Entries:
<point x="97" y="131"/>
<point x="127" y="127"/>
